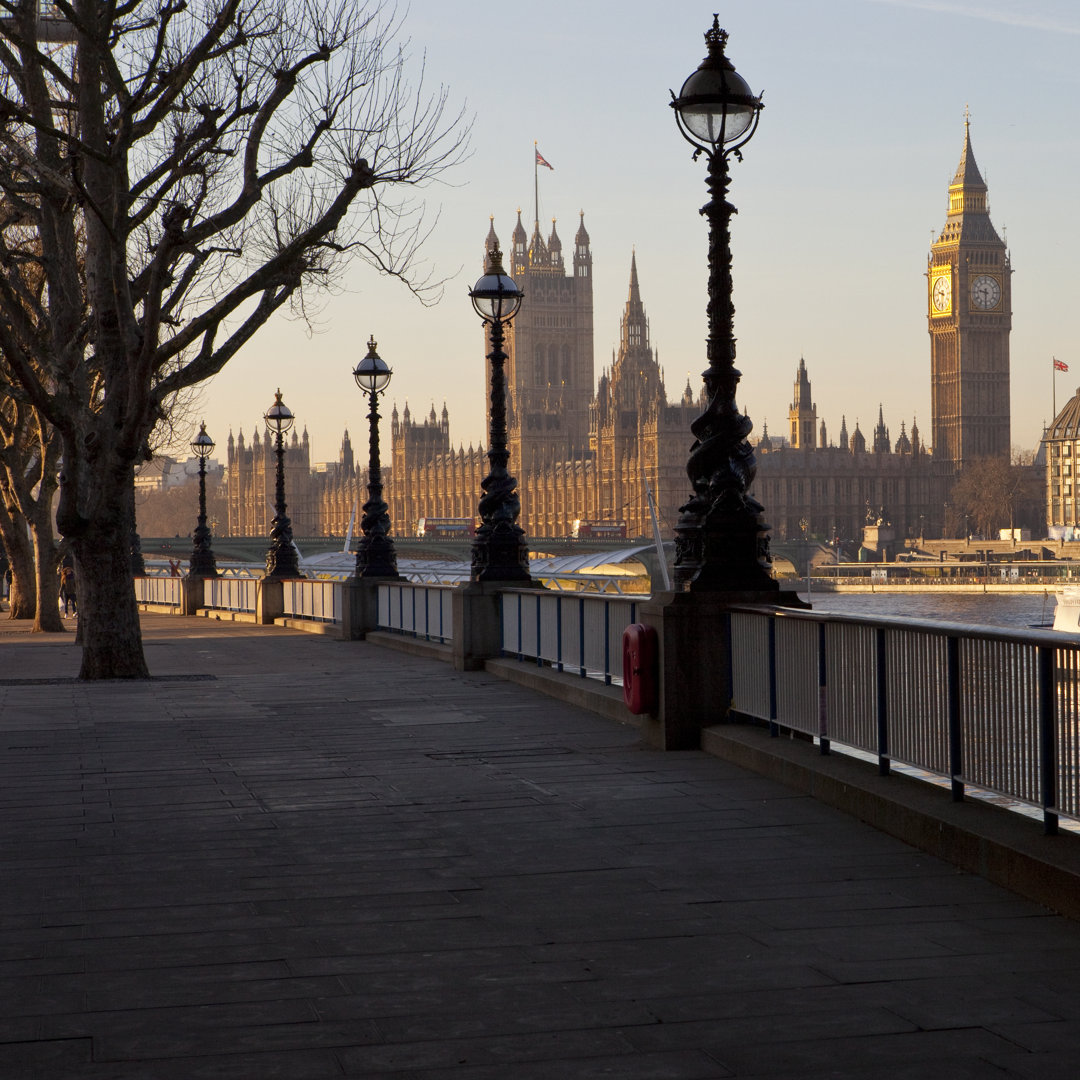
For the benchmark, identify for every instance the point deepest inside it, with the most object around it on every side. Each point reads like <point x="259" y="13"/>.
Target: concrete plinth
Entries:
<point x="694" y="678"/>
<point x="477" y="624"/>
<point x="194" y="594"/>
<point x="269" y="601"/>
<point x="477" y="621"/>
<point x="360" y="606"/>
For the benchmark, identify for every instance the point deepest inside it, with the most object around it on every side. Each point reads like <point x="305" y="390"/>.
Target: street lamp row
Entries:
<point x="721" y="539"/>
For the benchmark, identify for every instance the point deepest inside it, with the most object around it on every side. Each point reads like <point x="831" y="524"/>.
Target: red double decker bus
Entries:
<point x="599" y="530"/>
<point x="445" y="528"/>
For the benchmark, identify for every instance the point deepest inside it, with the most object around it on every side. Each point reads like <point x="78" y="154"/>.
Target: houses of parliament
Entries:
<point x="588" y="456"/>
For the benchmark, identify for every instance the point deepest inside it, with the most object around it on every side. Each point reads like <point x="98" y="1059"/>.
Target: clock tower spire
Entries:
<point x="969" y="301"/>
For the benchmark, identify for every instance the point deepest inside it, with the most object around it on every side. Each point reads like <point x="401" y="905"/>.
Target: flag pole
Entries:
<point x="1053" y="397"/>
<point x="536" y="183"/>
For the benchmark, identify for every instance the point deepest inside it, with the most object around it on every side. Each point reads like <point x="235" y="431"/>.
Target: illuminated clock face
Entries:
<point x="942" y="293"/>
<point x="986" y="292"/>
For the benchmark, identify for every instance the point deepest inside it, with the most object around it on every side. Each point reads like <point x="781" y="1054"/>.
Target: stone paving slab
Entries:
<point x="291" y="856"/>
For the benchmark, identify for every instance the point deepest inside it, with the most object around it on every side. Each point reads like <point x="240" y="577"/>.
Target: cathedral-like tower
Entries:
<point x="802" y="416"/>
<point x="969" y="303"/>
<point x="639" y="440"/>
<point x="549" y="367"/>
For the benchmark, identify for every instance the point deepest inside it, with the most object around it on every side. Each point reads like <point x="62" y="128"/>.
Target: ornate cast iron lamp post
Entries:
<point x="721" y="539"/>
<point x="202" y="563"/>
<point x="499" y="551"/>
<point x="375" y="555"/>
<point x="281" y="560"/>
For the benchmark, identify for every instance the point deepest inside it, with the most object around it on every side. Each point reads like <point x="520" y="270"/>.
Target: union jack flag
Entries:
<point x="1060" y="365"/>
<point x="540" y="161"/>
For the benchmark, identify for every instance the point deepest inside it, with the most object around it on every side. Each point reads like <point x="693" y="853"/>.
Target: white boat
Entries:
<point x="1067" y="610"/>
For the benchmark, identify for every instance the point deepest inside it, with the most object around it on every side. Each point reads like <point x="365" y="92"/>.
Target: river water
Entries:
<point x="1012" y="610"/>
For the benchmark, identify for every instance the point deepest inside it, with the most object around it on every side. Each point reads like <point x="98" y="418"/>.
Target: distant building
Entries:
<point x="577" y="456"/>
<point x="810" y="487"/>
<point x="1061" y="445"/>
<point x="165" y="473"/>
<point x="581" y="456"/>
<point x="969" y="311"/>
<point x="251" y="479"/>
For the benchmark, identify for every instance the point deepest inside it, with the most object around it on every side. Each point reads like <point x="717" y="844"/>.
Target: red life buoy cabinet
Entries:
<point x="640" y="668"/>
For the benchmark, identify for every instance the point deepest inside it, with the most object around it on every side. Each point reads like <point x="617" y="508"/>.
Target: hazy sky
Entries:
<point x="839" y="194"/>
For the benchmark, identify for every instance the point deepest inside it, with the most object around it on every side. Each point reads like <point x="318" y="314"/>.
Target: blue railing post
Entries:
<point x="882" y="680"/>
<point x="583" y="670"/>
<point x="823" y="710"/>
<point x="558" y="632"/>
<point x="774" y="727"/>
<point x="1048" y="757"/>
<point x="956" y="738"/>
<point x="607" y="642"/>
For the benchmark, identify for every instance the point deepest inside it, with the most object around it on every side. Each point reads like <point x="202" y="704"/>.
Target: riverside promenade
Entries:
<point x="288" y="856"/>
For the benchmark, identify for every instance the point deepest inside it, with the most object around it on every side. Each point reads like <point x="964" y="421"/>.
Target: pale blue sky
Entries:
<point x="838" y="196"/>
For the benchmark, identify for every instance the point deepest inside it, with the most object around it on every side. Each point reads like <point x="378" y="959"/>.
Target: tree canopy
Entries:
<point x="175" y="172"/>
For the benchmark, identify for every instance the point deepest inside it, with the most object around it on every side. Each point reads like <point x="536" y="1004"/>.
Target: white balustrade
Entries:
<point x="318" y="601"/>
<point x="421" y="611"/>
<point x="577" y="632"/>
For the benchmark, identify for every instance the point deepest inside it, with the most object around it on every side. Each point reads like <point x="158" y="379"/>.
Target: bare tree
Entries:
<point x="16" y="540"/>
<point x="993" y="493"/>
<point x="29" y="452"/>
<point x="173" y="511"/>
<point x="188" y="167"/>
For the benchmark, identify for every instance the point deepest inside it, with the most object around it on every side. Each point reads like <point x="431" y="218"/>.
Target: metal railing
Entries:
<point x="576" y="632"/>
<point x="421" y="611"/>
<point x="994" y="709"/>
<point x="231" y="594"/>
<point x="317" y="601"/>
<point x="160" y="590"/>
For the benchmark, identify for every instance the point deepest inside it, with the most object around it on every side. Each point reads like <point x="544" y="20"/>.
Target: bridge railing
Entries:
<point x="160" y="590"/>
<point x="231" y="594"/>
<point x="422" y="611"/>
<point x="316" y="601"/>
<point x="996" y="710"/>
<point x="576" y="632"/>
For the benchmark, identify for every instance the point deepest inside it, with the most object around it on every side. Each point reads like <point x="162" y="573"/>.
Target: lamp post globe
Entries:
<point x="721" y="539"/>
<point x="202" y="562"/>
<point x="499" y="551"/>
<point x="281" y="558"/>
<point x="375" y="555"/>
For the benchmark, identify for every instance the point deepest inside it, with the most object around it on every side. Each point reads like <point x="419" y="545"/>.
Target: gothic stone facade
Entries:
<point x="597" y="457"/>
<point x="811" y="487"/>
<point x="577" y="456"/>
<point x="320" y="501"/>
<point x="969" y="305"/>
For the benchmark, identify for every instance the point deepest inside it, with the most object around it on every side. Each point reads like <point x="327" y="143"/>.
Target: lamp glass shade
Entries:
<point x="372" y="374"/>
<point x="716" y="106"/>
<point x="496" y="296"/>
<point x="202" y="445"/>
<point x="279" y="417"/>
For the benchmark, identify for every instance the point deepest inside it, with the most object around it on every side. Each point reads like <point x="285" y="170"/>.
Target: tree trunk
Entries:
<point x="46" y="559"/>
<point x="108" y="614"/>
<point x="109" y="630"/>
<point x="21" y="599"/>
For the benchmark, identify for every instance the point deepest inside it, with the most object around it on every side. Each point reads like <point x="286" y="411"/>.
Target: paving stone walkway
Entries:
<point x="290" y="856"/>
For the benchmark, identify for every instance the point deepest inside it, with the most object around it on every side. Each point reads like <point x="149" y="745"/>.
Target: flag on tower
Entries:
<point x="540" y="161"/>
<point x="1060" y="365"/>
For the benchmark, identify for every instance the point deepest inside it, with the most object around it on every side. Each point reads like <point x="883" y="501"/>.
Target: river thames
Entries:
<point x="1021" y="611"/>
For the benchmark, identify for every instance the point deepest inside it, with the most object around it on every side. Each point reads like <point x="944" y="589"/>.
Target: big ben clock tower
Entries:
<point x="969" y="303"/>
